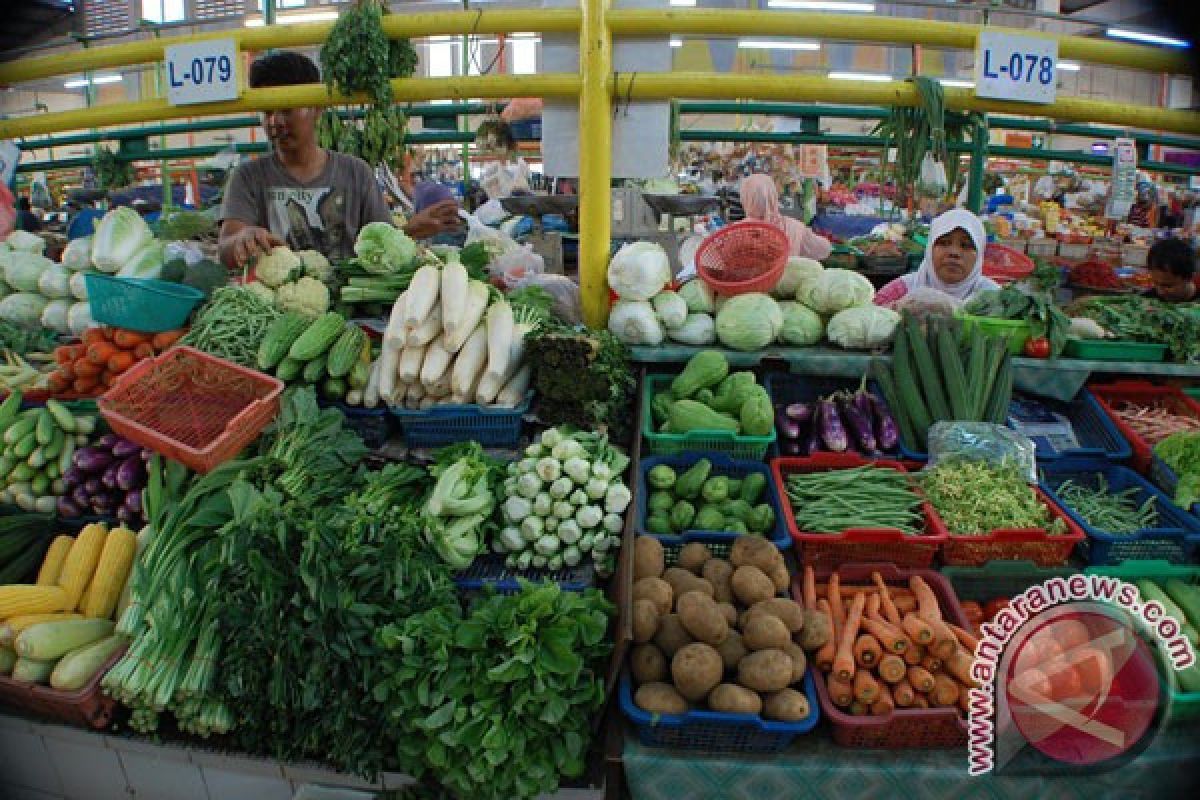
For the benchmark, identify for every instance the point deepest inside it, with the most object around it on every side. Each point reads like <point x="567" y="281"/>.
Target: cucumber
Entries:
<point x="56" y="445"/>
<point x="26" y="445"/>
<point x="20" y="429"/>
<point x="21" y="473"/>
<point x="64" y="458"/>
<point x="314" y="370"/>
<point x="45" y="427"/>
<point x="289" y="369"/>
<point x="37" y="459"/>
<point x="9" y="408"/>
<point x="40" y="485"/>
<point x="77" y="668"/>
<point x="85" y="425"/>
<point x="62" y="415"/>
<point x="6" y="466"/>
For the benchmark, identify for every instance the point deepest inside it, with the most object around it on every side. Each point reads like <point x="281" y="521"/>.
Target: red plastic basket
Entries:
<point x="1015" y="544"/>
<point x="195" y="408"/>
<point x="1004" y="263"/>
<point x="1112" y="396"/>
<point x="743" y="257"/>
<point x="905" y="727"/>
<point x="829" y="550"/>
<point x="88" y="708"/>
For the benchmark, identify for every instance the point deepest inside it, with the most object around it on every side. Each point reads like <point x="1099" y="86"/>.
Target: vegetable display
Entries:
<point x="327" y="352"/>
<point x="698" y="499"/>
<point x="106" y="478"/>
<point x="857" y="422"/>
<point x="564" y="502"/>
<point x="92" y="366"/>
<point x="231" y="325"/>
<point x="1045" y="319"/>
<point x="1145" y="319"/>
<point x="37" y="293"/>
<point x="974" y="498"/>
<point x="1154" y="423"/>
<point x="706" y="397"/>
<point x="837" y="500"/>
<point x="1118" y="513"/>
<point x="39" y="445"/>
<point x="1181" y="601"/>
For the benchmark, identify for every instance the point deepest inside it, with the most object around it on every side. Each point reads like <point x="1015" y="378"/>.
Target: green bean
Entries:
<point x="1117" y="513"/>
<point x="863" y="497"/>
<point x="232" y="325"/>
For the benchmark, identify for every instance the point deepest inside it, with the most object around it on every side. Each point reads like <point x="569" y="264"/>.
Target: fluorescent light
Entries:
<point x="79" y="83"/>
<point x="1068" y="66"/>
<point x="777" y="44"/>
<point x="684" y="3"/>
<point x="294" y="19"/>
<point x="822" y="5"/>
<point x="1151" y="38"/>
<point x="956" y="84"/>
<point x="861" y="76"/>
<point x="677" y="43"/>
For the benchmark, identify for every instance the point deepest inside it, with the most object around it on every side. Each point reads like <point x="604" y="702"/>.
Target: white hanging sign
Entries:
<point x="202" y="72"/>
<point x="1014" y="67"/>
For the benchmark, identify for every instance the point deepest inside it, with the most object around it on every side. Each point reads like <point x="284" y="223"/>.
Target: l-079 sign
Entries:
<point x="1013" y="67"/>
<point x="202" y="72"/>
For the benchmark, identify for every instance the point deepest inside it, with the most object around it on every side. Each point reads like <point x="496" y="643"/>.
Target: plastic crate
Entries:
<point x="721" y="465"/>
<point x="1041" y="248"/>
<point x="1193" y="392"/>
<point x="751" y="448"/>
<point x="1098" y="437"/>
<point x="1017" y="331"/>
<point x="1110" y="350"/>
<point x="786" y="388"/>
<point x="374" y="425"/>
<point x="1112" y="396"/>
<point x="743" y="257"/>
<point x="88" y="707"/>
<point x="829" y="550"/>
<point x="999" y="579"/>
<point x="1165" y="478"/>
<point x="140" y="304"/>
<point x="1174" y="541"/>
<point x="447" y="424"/>
<point x="904" y="727"/>
<point x="195" y="408"/>
<point x="843" y="257"/>
<point x="1034" y="544"/>
<point x="489" y="571"/>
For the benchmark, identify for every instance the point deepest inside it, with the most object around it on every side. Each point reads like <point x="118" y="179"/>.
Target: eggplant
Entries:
<point x="131" y="474"/>
<point x="81" y="497"/>
<point x="66" y="507"/>
<point x="91" y="459"/>
<point x="887" y="433"/>
<point x="830" y="427"/>
<point x="133" y="501"/>
<point x="109" y="478"/>
<point x="102" y="504"/>
<point x="811" y="443"/>
<point x="107" y="441"/>
<point x="858" y="423"/>
<point x="124" y="449"/>
<point x="92" y="486"/>
<point x="73" y="477"/>
<point x="799" y="412"/>
<point x="862" y="402"/>
<point x="787" y="427"/>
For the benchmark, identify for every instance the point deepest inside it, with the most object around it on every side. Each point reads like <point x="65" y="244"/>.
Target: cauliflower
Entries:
<point x="316" y="265"/>
<point x="263" y="291"/>
<point x="307" y="296"/>
<point x="278" y="267"/>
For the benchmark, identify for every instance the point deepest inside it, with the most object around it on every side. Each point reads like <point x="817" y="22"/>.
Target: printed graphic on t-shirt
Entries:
<point x="311" y="219"/>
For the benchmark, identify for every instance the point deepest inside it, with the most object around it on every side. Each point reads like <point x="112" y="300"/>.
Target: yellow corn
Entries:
<point x="81" y="562"/>
<point x="14" y="625"/>
<point x="115" y="562"/>
<point x="17" y="599"/>
<point x="56" y="555"/>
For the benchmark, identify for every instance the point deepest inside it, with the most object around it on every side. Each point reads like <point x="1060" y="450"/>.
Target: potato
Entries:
<point x="718" y="571"/>
<point x="701" y="618"/>
<point x="786" y="705"/>
<point x="732" y="650"/>
<point x="765" y="671"/>
<point x="730" y="613"/>
<point x="734" y="699"/>
<point x="751" y="586"/>
<point x="693" y="556"/>
<point x="671" y="635"/>
<point x="765" y="631"/>
<point x="817" y="630"/>
<point x="682" y="581"/>
<point x="780" y="577"/>
<point x="754" y="551"/>
<point x="648" y="558"/>
<point x="799" y="660"/>
<point x="645" y="620"/>
<point x="696" y="669"/>
<point x="648" y="664"/>
<point x="660" y="698"/>
<point x="657" y="591"/>
<point x="788" y="611"/>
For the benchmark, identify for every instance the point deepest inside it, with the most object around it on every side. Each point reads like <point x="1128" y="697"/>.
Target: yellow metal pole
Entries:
<point x="313" y="94"/>
<point x="893" y="30"/>
<point x="706" y="85"/>
<point x="284" y="36"/>
<point x="595" y="161"/>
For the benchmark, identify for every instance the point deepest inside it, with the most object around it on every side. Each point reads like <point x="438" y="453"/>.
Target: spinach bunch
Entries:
<point x="1037" y="308"/>
<point x="1145" y="319"/>
<point x="358" y="57"/>
<point x="498" y="703"/>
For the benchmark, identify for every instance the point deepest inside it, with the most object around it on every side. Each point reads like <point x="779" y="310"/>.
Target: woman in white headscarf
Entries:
<point x="952" y="270"/>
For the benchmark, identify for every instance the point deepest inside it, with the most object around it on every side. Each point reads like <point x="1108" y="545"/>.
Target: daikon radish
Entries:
<point x="394" y="332"/>
<point x="470" y="362"/>
<point x="478" y="295"/>
<point x="500" y="331"/>
<point x="422" y="296"/>
<point x="371" y="393"/>
<point x="408" y="368"/>
<point x="454" y="295"/>
<point x="513" y="393"/>
<point x="427" y="331"/>
<point x="491" y="384"/>
<point x="388" y="361"/>
<point x="437" y="361"/>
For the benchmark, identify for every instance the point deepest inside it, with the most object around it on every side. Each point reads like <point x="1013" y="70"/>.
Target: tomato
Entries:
<point x="1038" y="348"/>
<point x="994" y="606"/>
<point x="973" y="612"/>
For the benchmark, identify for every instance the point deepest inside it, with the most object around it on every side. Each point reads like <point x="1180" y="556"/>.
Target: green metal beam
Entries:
<point x="784" y="110"/>
<point x="1050" y="126"/>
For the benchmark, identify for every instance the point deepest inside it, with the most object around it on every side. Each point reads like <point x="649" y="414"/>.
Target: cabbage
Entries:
<point x="24" y="309"/>
<point x="55" y="282"/>
<point x="78" y="285"/>
<point x="699" y="297"/>
<point x="698" y="329"/>
<point x="749" y="322"/>
<point x="383" y="248"/>
<point x="801" y="325"/>
<point x="119" y="235"/>
<point x="24" y="241"/>
<point x="671" y="309"/>
<point x="798" y="275"/>
<point x="78" y="253"/>
<point x="639" y="271"/>
<point x="634" y="322"/>
<point x="24" y="270"/>
<point x="863" y="327"/>
<point x="54" y="316"/>
<point x="147" y="262"/>
<point x="79" y="318"/>
<point x="838" y="289"/>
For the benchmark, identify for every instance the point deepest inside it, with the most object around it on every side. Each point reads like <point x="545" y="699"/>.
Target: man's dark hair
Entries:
<point x="1174" y="256"/>
<point x="283" y="68"/>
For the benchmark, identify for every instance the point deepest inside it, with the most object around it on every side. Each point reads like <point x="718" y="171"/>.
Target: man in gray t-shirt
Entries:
<point x="302" y="195"/>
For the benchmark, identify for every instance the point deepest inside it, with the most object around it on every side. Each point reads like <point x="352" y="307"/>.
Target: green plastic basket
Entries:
<point x="1109" y="350"/>
<point x="1185" y="706"/>
<point x="140" y="304"/>
<point x="753" y="448"/>
<point x="999" y="579"/>
<point x="1017" y="330"/>
<point x="1193" y="392"/>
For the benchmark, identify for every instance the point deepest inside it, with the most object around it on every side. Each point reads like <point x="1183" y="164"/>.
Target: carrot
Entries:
<point x="885" y="598"/>
<point x="834" y="595"/>
<point x="841" y="692"/>
<point x="885" y="704"/>
<point x="945" y="690"/>
<point x="106" y="378"/>
<point x="959" y="665"/>
<point x="927" y="604"/>
<point x="920" y="678"/>
<point x="867" y="650"/>
<point x="892" y="668"/>
<point x="917" y="629"/>
<point x="848" y="590"/>
<point x="903" y="694"/>
<point x="843" y="661"/>
<point x="892" y="640"/>
<point x="100" y="353"/>
<point x="824" y="657"/>
<point x="127" y="340"/>
<point x="913" y="655"/>
<point x="84" y="367"/>
<point x="967" y="639"/>
<point x="120" y="362"/>
<point x="866" y="688"/>
<point x="58" y="382"/>
<point x="858" y="709"/>
<point x="62" y="355"/>
<point x="944" y="641"/>
<point x="143" y="351"/>
<point x="84" y="385"/>
<point x="931" y="663"/>
<point x="161" y="341"/>
<point x="809" y="588"/>
<point x="94" y="336"/>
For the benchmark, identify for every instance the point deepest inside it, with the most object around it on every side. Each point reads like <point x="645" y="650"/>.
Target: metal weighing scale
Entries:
<point x="674" y="206"/>
<point x="547" y="244"/>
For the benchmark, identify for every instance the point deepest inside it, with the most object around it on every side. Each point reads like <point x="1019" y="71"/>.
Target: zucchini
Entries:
<point x="319" y="337"/>
<point x="279" y="338"/>
<point x="52" y="640"/>
<point x="77" y="668"/>
<point x="62" y="415"/>
<point x="29" y="670"/>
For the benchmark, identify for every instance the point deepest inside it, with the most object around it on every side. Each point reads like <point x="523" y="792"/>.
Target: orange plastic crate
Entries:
<point x="195" y="408"/>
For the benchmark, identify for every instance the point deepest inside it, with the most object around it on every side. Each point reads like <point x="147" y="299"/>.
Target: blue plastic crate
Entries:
<point x="447" y="424"/>
<point x="1175" y="541"/>
<point x="1165" y="478"/>
<point x="722" y="464"/>
<point x="716" y="732"/>
<point x="490" y="571"/>
<point x="786" y="388"/>
<point x="374" y="425"/>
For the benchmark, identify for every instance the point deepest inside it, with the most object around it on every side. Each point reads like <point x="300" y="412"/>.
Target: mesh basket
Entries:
<point x="1004" y="263"/>
<point x="1034" y="544"/>
<point x="743" y="257"/>
<point x="1098" y="437"/>
<point x="195" y="408"/>
<point x="88" y="707"/>
<point x="450" y="423"/>
<point x="140" y="304"/>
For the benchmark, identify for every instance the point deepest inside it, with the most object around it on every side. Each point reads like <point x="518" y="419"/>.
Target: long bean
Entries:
<point x="1117" y="513"/>
<point x="863" y="497"/>
<point x="232" y="325"/>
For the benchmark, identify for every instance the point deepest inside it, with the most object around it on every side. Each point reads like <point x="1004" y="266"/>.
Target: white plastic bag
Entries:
<point x="502" y="180"/>
<point x="516" y="265"/>
<point x="932" y="180"/>
<point x="478" y="232"/>
<point x="564" y="291"/>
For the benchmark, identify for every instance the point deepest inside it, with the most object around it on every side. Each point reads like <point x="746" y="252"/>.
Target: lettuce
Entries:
<point x="802" y="326"/>
<point x="863" y="327"/>
<point x="1181" y="452"/>
<point x="749" y="322"/>
<point x="23" y="270"/>
<point x="835" y="290"/>
<point x="635" y="323"/>
<point x="119" y="235"/>
<point x="639" y="270"/>
<point x="798" y="275"/>
<point x="699" y="297"/>
<point x="382" y="248"/>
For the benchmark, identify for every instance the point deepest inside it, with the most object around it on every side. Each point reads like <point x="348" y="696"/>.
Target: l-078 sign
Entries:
<point x="202" y="72"/>
<point x="1013" y="67"/>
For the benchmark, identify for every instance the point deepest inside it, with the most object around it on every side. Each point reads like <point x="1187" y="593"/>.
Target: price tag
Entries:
<point x="1014" y="67"/>
<point x="202" y="72"/>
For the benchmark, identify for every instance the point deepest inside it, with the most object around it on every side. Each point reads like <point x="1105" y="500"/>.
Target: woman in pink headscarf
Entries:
<point x="760" y="199"/>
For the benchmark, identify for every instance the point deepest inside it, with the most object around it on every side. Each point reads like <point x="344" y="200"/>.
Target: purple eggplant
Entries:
<point x="829" y="425"/>
<point x="91" y="459"/>
<point x="107" y="441"/>
<point x="73" y="477"/>
<point x="67" y="508"/>
<point x="133" y="501"/>
<point x="109" y="478"/>
<point x="147" y="455"/>
<point x="92" y="486"/>
<point x="81" y="497"/>
<point x="131" y="473"/>
<point x="858" y="423"/>
<point x="862" y="402"/>
<point x="887" y="434"/>
<point x="799" y="412"/>
<point x="102" y="505"/>
<point x="788" y="428"/>
<point x="123" y="448"/>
